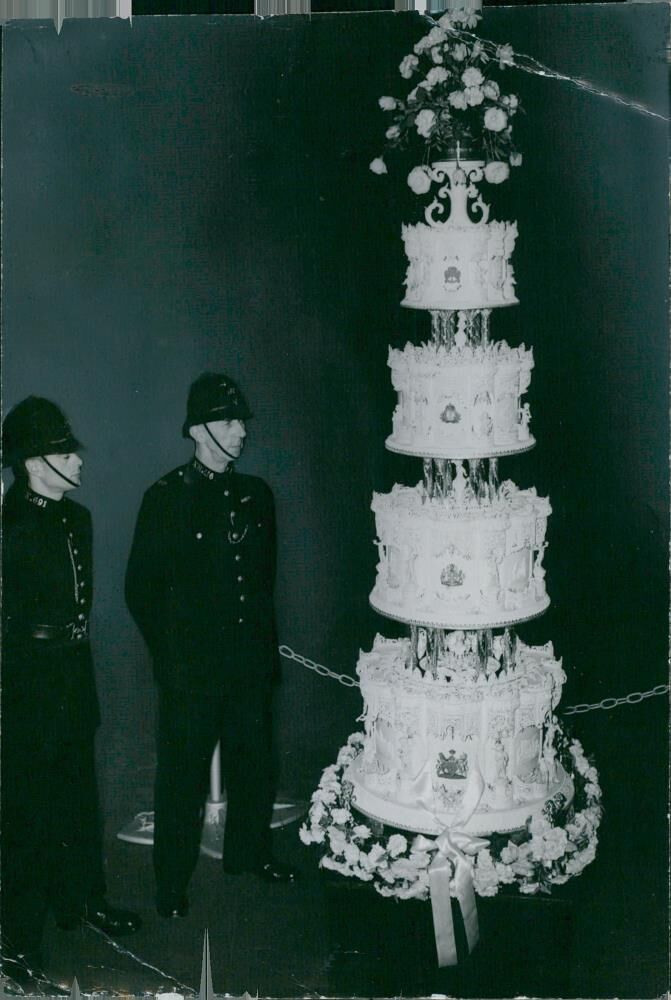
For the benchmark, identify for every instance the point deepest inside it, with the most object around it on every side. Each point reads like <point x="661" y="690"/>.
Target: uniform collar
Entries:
<point x="201" y="472"/>
<point x="39" y="501"/>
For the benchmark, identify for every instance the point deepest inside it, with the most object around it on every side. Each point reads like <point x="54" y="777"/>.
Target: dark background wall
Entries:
<point x="193" y="193"/>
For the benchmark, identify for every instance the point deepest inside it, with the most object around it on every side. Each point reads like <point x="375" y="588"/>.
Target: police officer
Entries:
<point x="51" y="837"/>
<point x="200" y="586"/>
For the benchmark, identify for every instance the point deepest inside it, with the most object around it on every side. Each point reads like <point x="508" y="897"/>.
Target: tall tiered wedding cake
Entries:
<point x="460" y="738"/>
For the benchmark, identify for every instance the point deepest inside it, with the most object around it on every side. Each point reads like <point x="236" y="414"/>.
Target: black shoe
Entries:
<point x="172" y="905"/>
<point x="110" y="919"/>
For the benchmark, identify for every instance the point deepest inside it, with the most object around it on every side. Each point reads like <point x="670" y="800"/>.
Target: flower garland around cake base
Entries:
<point x="551" y="848"/>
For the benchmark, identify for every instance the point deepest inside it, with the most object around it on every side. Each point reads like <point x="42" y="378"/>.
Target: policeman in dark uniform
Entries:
<point x="200" y="586"/>
<point x="51" y="837"/>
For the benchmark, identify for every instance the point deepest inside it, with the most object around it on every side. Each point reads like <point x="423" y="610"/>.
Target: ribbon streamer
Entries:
<point x="450" y="873"/>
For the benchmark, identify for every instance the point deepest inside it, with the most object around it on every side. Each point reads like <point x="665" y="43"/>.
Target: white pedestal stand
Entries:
<point x="140" y="830"/>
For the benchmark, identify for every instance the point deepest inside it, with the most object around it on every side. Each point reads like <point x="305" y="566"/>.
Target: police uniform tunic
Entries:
<point x="199" y="585"/>
<point x="51" y="847"/>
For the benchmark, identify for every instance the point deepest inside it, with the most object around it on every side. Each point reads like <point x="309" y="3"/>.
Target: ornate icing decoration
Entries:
<point x="452" y="576"/>
<point x="452" y="765"/>
<point x="450" y="414"/>
<point x="460" y="189"/>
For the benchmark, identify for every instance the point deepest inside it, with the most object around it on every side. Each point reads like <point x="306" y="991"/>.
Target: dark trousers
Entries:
<point x="51" y="837"/>
<point x="189" y="727"/>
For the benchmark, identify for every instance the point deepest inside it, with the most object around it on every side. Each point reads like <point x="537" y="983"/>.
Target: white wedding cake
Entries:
<point x="460" y="740"/>
<point x="460" y="554"/>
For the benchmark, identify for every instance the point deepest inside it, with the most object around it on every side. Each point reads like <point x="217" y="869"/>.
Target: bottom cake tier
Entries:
<point x="458" y="739"/>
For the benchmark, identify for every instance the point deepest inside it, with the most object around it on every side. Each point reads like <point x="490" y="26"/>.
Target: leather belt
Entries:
<point x="72" y="632"/>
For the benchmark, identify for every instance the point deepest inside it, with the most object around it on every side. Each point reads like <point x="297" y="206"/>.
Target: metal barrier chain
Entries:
<point x="607" y="703"/>
<point x="629" y="699"/>
<point x="318" y="668"/>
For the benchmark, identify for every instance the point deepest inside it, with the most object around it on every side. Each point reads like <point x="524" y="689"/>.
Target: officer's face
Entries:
<point x="70" y="465"/>
<point x="230" y="434"/>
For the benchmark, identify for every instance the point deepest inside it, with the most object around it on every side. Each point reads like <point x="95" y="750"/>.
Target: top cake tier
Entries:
<point x="462" y="261"/>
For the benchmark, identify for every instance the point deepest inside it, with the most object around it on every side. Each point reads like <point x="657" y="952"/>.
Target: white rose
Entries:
<point x="505" y="54"/>
<point x="495" y="119"/>
<point x="378" y="166"/>
<point x="419" y="180"/>
<point x="436" y="75"/>
<point x="375" y="854"/>
<point x="340" y="815"/>
<point x="505" y="873"/>
<point x="474" y="96"/>
<point x="445" y="22"/>
<point x="472" y="77"/>
<point x="459" y="52"/>
<point x="408" y="66"/>
<point x="337" y="840"/>
<point x="352" y="853"/>
<point x="425" y="121"/>
<point x="496" y="172"/>
<point x="491" y="89"/>
<point x="397" y="845"/>
<point x="509" y="853"/>
<point x="457" y="99"/>
<point x="515" y="159"/>
<point x="393" y="132"/>
<point x="362" y="832"/>
<point x="437" y="55"/>
<point x="387" y="103"/>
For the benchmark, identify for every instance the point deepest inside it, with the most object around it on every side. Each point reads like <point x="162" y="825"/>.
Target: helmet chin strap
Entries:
<point x="219" y="446"/>
<point x="54" y="469"/>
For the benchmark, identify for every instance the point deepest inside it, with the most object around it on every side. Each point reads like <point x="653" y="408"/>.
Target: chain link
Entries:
<point x="629" y="699"/>
<point x="318" y="668"/>
<point x="607" y="703"/>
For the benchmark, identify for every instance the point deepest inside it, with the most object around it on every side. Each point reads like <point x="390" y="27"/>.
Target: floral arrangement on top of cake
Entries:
<point x="457" y="101"/>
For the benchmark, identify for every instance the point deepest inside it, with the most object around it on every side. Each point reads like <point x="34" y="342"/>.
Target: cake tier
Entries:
<point x="425" y="737"/>
<point x="456" y="563"/>
<point x="459" y="267"/>
<point x="457" y="261"/>
<point x="461" y="402"/>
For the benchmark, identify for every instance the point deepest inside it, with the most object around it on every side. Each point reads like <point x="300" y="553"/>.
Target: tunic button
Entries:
<point x="76" y="552"/>
<point x="234" y="535"/>
<point x="64" y="520"/>
<point x="240" y="621"/>
<point x="80" y="636"/>
<point x="237" y="558"/>
<point x="82" y="583"/>
<point x="79" y="567"/>
<point x="239" y="579"/>
<point x="226" y="493"/>
<point x="81" y="617"/>
<point x="82" y="601"/>
<point x="199" y="534"/>
<point x="242" y="597"/>
<point x="258" y="525"/>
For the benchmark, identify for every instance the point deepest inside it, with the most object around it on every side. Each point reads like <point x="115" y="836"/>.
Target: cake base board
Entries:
<point x="443" y="306"/>
<point x="456" y="623"/>
<point x="458" y="454"/>
<point x="418" y="820"/>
